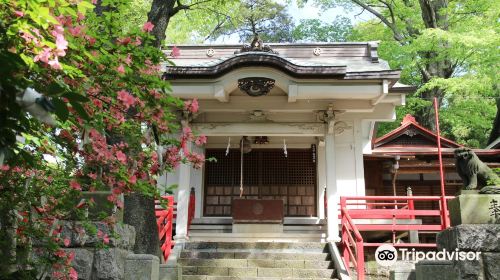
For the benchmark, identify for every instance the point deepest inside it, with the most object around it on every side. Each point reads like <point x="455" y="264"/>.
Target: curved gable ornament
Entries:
<point x="257" y="45"/>
<point x="256" y="86"/>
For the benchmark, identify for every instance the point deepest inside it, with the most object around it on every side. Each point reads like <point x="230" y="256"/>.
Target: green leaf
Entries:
<point x="55" y="88"/>
<point x="73" y="96"/>
<point x="80" y="110"/>
<point x="84" y="6"/>
<point x="62" y="111"/>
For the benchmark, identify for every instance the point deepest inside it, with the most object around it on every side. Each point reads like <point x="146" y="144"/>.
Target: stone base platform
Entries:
<point x="481" y="239"/>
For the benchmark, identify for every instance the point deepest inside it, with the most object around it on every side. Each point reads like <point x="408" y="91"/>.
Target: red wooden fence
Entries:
<point x="165" y="223"/>
<point x="392" y="208"/>
<point x="165" y="219"/>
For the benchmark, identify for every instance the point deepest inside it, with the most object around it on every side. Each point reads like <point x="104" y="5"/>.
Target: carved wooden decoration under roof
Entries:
<point x="256" y="86"/>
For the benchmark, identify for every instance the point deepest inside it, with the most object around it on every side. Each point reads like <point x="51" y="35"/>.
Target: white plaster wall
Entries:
<point x="349" y="161"/>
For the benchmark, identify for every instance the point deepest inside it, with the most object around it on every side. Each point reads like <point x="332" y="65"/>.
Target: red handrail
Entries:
<point x="406" y="210"/>
<point x="191" y="209"/>
<point x="165" y="222"/>
<point x="358" y="259"/>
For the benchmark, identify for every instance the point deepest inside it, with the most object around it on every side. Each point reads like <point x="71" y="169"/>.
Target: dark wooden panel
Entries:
<point x="268" y="174"/>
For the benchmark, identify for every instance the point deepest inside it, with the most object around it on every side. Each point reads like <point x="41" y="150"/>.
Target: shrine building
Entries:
<point x="302" y="118"/>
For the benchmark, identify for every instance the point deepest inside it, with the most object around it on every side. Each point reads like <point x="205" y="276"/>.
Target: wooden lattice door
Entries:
<point x="268" y="174"/>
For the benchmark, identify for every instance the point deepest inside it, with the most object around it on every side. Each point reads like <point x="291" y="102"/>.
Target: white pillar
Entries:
<point x="183" y="191"/>
<point x="331" y="185"/>
<point x="197" y="183"/>
<point x="321" y="178"/>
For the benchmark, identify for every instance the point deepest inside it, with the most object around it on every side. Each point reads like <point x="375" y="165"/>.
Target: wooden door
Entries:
<point x="268" y="174"/>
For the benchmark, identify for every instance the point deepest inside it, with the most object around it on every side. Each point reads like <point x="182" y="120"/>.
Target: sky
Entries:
<point x="309" y="11"/>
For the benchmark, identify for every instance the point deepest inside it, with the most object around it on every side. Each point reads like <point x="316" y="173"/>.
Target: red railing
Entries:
<point x="191" y="209"/>
<point x="354" y="209"/>
<point x="165" y="219"/>
<point x="165" y="223"/>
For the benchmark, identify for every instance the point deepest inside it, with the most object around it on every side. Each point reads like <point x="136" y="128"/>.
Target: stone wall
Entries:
<point x="93" y="261"/>
<point x="483" y="238"/>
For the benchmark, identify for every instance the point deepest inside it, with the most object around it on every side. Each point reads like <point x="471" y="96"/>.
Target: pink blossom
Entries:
<point x="100" y="234"/>
<point x="132" y="179"/>
<point x="127" y="99"/>
<point x="200" y="140"/>
<point x="18" y="13"/>
<point x="138" y="41"/>
<point x="75" y="185"/>
<point x="128" y="60"/>
<point x="80" y="16"/>
<point x="5" y="167"/>
<point x="92" y="175"/>
<point x="27" y="36"/>
<point x="196" y="160"/>
<point x="119" y="203"/>
<point x="91" y="41"/>
<point x="54" y="63"/>
<point x="110" y="198"/>
<point x="148" y="27"/>
<point x="187" y="133"/>
<point x="120" y="156"/>
<point x="124" y="41"/>
<point x="191" y="105"/>
<point x="57" y="274"/>
<point x="60" y="253"/>
<point x="121" y="69"/>
<point x="75" y="31"/>
<point x="70" y="257"/>
<point x="176" y="52"/>
<point x="73" y="275"/>
<point x="105" y="238"/>
<point x="97" y="103"/>
<point x="43" y="56"/>
<point x="61" y="45"/>
<point x="66" y="242"/>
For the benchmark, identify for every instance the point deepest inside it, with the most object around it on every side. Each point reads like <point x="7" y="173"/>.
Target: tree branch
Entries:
<point x="397" y="35"/>
<point x="181" y="6"/>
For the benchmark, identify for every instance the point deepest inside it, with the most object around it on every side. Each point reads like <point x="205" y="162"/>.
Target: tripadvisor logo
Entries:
<point x="387" y="255"/>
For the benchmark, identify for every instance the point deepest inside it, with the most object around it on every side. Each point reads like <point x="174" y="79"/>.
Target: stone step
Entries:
<point x="287" y="221"/>
<point x="230" y="227"/>
<point x="257" y="272"/>
<point x="208" y="277"/>
<point x="257" y="237"/>
<point x="305" y="246"/>
<point x="255" y="255"/>
<point x="265" y="263"/>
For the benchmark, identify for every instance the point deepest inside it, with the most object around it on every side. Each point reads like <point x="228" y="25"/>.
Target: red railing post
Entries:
<point x="191" y="209"/>
<point x="164" y="221"/>
<point x="325" y="202"/>
<point x="411" y="205"/>
<point x="345" y="240"/>
<point x="360" y="254"/>
<point x="445" y="222"/>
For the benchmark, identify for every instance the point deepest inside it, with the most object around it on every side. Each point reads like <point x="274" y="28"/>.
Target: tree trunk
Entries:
<point x="433" y="17"/>
<point x="140" y="212"/>
<point x="160" y="14"/>
<point x="495" y="131"/>
<point x="8" y="242"/>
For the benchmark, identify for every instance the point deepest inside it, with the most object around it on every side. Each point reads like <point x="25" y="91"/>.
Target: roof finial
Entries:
<point x="257" y="45"/>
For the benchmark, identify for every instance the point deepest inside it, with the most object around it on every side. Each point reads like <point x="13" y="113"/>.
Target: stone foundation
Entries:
<point x="483" y="238"/>
<point x="92" y="262"/>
